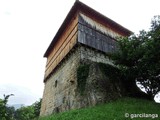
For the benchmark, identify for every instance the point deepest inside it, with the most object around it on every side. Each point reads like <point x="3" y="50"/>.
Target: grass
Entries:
<point x="137" y="109"/>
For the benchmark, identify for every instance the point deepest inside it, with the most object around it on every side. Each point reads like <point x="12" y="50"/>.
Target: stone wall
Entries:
<point x="93" y="55"/>
<point x="61" y="94"/>
<point x="60" y="87"/>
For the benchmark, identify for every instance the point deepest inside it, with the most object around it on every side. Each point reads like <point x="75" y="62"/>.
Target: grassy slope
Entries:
<point x="111" y="111"/>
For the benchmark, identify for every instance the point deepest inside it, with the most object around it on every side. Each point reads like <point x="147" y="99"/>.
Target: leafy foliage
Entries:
<point x="28" y="112"/>
<point x="10" y="112"/>
<point x="111" y="71"/>
<point x="138" y="58"/>
<point x="82" y="74"/>
<point x="23" y="113"/>
<point x="37" y="107"/>
<point x="4" y="110"/>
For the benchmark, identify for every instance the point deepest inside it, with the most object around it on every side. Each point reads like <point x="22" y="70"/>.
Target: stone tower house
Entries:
<point x="85" y="36"/>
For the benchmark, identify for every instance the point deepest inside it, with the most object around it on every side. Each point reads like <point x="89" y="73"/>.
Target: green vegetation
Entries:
<point x="82" y="74"/>
<point x="111" y="111"/>
<point x="28" y="112"/>
<point x="5" y="111"/>
<point x="111" y="71"/>
<point x="138" y="59"/>
<point x="24" y="113"/>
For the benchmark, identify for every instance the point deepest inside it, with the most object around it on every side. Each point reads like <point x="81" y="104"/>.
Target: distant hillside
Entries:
<point x="17" y="106"/>
<point x="122" y="109"/>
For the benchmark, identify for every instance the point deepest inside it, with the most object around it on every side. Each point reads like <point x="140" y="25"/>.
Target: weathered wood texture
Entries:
<point x="63" y="46"/>
<point x="95" y="35"/>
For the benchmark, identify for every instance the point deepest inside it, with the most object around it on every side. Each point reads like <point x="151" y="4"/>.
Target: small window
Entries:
<point x="56" y="83"/>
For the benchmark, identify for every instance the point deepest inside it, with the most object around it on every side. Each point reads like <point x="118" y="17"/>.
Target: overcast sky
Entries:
<point x="28" y="26"/>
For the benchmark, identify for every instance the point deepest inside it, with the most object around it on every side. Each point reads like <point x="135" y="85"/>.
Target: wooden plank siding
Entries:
<point x="64" y="44"/>
<point x="93" y="37"/>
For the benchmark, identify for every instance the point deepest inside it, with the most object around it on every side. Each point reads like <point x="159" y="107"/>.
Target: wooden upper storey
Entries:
<point x="86" y="26"/>
<point x="79" y="6"/>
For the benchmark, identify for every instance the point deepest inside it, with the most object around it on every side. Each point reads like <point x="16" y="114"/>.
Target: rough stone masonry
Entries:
<point x="61" y="92"/>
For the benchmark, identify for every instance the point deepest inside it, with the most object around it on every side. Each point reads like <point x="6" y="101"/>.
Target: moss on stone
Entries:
<point x="110" y="71"/>
<point x="82" y="74"/>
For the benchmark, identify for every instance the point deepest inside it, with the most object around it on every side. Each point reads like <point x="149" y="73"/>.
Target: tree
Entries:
<point x="37" y="107"/>
<point x="28" y="112"/>
<point x="10" y="112"/>
<point x="4" y="109"/>
<point x="25" y="113"/>
<point x="138" y="58"/>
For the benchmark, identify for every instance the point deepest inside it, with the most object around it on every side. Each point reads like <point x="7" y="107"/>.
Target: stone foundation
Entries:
<point x="61" y="93"/>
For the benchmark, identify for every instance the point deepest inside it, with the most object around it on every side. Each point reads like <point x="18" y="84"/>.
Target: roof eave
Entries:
<point x="62" y="27"/>
<point x="85" y="9"/>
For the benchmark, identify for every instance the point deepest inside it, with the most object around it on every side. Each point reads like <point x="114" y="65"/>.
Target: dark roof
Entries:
<point x="91" y="12"/>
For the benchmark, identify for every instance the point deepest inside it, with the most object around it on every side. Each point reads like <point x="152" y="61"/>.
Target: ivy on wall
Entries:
<point x="111" y="71"/>
<point x="82" y="74"/>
